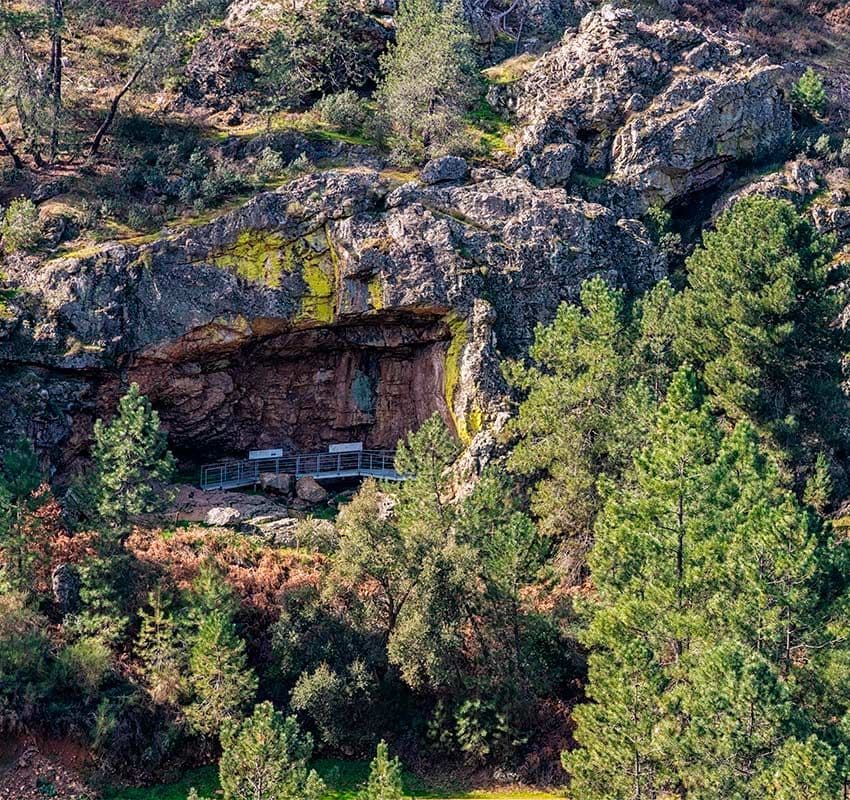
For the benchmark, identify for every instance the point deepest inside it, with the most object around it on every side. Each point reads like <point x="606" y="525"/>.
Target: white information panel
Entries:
<point x="346" y="447"/>
<point x="253" y="455"/>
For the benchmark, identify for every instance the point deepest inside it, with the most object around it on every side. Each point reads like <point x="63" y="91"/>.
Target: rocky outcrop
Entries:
<point x="343" y="307"/>
<point x="660" y="111"/>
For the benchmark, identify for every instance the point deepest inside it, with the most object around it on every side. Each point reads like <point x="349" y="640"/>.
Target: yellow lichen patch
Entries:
<point x="475" y="421"/>
<point x="376" y="293"/>
<point x="457" y="326"/>
<point x="256" y="256"/>
<point x="317" y="302"/>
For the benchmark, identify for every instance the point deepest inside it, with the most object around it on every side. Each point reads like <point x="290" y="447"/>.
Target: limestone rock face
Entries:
<point x="661" y="110"/>
<point x="447" y="168"/>
<point x="342" y="307"/>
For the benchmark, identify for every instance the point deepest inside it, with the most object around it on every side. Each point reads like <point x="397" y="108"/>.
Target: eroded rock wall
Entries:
<point x="344" y="306"/>
<point x="659" y="111"/>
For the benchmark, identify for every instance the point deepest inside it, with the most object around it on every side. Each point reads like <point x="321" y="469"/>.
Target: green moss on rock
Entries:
<point x="460" y="337"/>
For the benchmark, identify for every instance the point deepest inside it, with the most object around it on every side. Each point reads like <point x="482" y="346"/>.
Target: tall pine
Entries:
<point x="132" y="461"/>
<point x="716" y="595"/>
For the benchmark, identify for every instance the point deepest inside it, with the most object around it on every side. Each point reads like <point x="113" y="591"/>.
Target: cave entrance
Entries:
<point x="220" y="396"/>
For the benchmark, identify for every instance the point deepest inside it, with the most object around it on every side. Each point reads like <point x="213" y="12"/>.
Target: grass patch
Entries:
<point x="588" y="180"/>
<point x="204" y="779"/>
<point x="488" y="130"/>
<point x="511" y="69"/>
<point x="344" y="779"/>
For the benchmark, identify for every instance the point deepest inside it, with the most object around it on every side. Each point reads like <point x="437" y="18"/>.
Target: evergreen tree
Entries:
<point x="384" y="777"/>
<point x="425" y="457"/>
<point x="265" y="757"/>
<point x="131" y="460"/>
<point x="160" y="651"/>
<point x="20" y="478"/>
<point x="210" y="593"/>
<point x="808" y="95"/>
<point x="757" y="319"/>
<point x="714" y="591"/>
<point x="428" y="78"/>
<point x="316" y="47"/>
<point x="596" y="373"/>
<point x="220" y="679"/>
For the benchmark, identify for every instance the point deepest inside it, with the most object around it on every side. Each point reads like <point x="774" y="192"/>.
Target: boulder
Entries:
<point x="223" y="516"/>
<point x="280" y="483"/>
<point x="48" y="189"/>
<point x="446" y="168"/>
<point x="310" y="491"/>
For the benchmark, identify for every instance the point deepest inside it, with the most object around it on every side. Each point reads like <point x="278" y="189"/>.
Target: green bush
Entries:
<point x="808" y="95"/>
<point x="21" y="228"/>
<point x="268" y="165"/>
<point x="85" y="664"/>
<point x="344" y="111"/>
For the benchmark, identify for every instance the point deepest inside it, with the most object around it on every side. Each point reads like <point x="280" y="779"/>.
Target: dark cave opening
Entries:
<point x="298" y="389"/>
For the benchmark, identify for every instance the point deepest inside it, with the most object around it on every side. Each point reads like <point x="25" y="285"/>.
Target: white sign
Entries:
<point x="253" y="455"/>
<point x="346" y="447"/>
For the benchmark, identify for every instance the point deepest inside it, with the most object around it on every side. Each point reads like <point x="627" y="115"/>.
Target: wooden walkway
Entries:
<point x="364" y="463"/>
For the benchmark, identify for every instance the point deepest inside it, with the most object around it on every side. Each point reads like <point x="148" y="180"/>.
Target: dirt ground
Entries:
<point x="31" y="770"/>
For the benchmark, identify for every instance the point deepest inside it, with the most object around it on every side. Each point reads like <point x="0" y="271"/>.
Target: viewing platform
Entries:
<point x="339" y="463"/>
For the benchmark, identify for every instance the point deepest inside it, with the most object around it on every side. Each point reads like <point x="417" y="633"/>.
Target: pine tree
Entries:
<point x="715" y="593"/>
<point x="597" y="371"/>
<point x="220" y="679"/>
<point x="425" y="456"/>
<point x="20" y="478"/>
<point x="756" y="318"/>
<point x="160" y="651"/>
<point x="808" y="95"/>
<point x="819" y="487"/>
<point x="131" y="460"/>
<point x="428" y="78"/>
<point x="384" y="777"/>
<point x="641" y="567"/>
<point x="265" y="757"/>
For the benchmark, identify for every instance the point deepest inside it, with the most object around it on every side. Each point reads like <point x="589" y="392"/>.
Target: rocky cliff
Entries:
<point x="343" y="306"/>
<point x="662" y="111"/>
<point x="353" y="303"/>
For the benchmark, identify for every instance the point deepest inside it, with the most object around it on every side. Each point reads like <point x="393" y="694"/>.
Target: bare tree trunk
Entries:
<point x="56" y="75"/>
<point x="116" y="101"/>
<point x="13" y="154"/>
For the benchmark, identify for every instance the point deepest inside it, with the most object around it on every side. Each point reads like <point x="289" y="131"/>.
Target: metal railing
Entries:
<point x="369" y="463"/>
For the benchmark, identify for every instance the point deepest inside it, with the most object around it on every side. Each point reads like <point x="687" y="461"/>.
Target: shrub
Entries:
<point x="267" y="166"/>
<point x="823" y="146"/>
<point x="21" y="228"/>
<point x="344" y="111"/>
<point x="144" y="218"/>
<point x="335" y="703"/>
<point x="808" y="95"/>
<point x="85" y="664"/>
